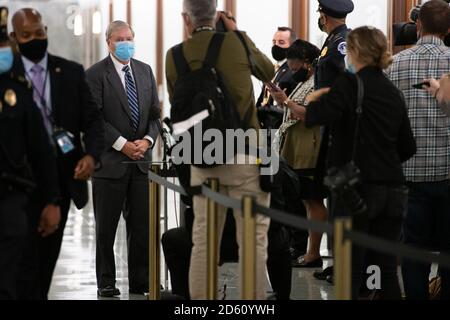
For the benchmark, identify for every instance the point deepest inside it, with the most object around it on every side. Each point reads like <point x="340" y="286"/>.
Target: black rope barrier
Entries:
<point x="163" y="182"/>
<point x="357" y="238"/>
<point x="222" y="199"/>
<point x="294" y="221"/>
<point x="396" y="249"/>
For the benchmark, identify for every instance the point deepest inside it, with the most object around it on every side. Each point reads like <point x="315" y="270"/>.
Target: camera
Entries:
<point x="342" y="182"/>
<point x="405" y="33"/>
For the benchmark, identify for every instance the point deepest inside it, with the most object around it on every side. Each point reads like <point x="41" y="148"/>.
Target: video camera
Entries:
<point x="405" y="33"/>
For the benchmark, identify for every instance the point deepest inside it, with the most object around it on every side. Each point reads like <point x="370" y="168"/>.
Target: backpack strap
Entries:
<point x="180" y="61"/>
<point x="214" y="49"/>
<point x="247" y="49"/>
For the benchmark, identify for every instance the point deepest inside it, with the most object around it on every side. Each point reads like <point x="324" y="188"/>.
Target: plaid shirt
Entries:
<point x="431" y="127"/>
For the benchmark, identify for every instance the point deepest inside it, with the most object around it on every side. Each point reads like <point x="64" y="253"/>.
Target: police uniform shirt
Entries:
<point x="332" y="58"/>
<point x="23" y="138"/>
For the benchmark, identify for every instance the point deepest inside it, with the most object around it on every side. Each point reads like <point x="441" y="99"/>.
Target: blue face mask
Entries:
<point x="349" y="65"/>
<point x="124" y="50"/>
<point x="6" y="59"/>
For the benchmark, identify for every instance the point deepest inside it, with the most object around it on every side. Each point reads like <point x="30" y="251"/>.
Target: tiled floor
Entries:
<point x="74" y="277"/>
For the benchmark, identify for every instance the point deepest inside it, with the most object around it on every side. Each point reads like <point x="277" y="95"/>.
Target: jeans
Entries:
<point x="427" y="226"/>
<point x="386" y="208"/>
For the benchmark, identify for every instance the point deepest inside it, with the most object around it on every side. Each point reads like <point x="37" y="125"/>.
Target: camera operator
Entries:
<point x="405" y="33"/>
<point x="441" y="91"/>
<point x="380" y="143"/>
<point x="428" y="221"/>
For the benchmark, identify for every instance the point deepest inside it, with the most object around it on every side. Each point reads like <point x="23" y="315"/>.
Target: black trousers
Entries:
<point x="177" y="248"/>
<point x="41" y="254"/>
<point x="427" y="226"/>
<point x="279" y="259"/>
<point x="13" y="228"/>
<point x="112" y="197"/>
<point x="285" y="196"/>
<point x="386" y="208"/>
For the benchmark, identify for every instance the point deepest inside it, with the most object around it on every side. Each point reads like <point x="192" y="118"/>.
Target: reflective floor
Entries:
<point x="74" y="277"/>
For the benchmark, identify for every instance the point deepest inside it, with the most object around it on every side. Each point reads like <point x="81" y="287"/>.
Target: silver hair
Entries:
<point x="116" y="25"/>
<point x="201" y="11"/>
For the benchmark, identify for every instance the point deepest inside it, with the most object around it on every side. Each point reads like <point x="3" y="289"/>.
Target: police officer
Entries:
<point x="332" y="19"/>
<point x="329" y="65"/>
<point x="26" y="161"/>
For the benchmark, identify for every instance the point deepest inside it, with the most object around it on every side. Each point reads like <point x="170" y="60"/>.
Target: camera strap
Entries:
<point x="359" y="112"/>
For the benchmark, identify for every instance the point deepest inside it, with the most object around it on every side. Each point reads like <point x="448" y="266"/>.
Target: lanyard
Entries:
<point x="41" y="96"/>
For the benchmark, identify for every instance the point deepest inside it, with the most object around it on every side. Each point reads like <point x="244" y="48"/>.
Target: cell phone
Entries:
<point x="421" y="85"/>
<point x="273" y="86"/>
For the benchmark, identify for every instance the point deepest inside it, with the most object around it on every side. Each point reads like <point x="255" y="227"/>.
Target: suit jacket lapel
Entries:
<point x="139" y="79"/>
<point x="117" y="85"/>
<point x="55" y="72"/>
<point x="281" y="72"/>
<point x="18" y="69"/>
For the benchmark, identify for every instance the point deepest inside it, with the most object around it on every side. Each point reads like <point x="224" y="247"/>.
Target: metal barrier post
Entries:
<point x="212" y="244"/>
<point x="155" y="237"/>
<point x="248" y="274"/>
<point x="342" y="259"/>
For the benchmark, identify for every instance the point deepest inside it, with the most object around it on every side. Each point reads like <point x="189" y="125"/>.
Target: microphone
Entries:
<point x="166" y="134"/>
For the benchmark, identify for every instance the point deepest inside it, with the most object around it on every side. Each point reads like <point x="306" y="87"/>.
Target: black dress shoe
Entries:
<point x="295" y="254"/>
<point x="108" y="292"/>
<point x="330" y="279"/>
<point x="138" y="292"/>
<point x="141" y="291"/>
<point x="301" y="263"/>
<point x="322" y="275"/>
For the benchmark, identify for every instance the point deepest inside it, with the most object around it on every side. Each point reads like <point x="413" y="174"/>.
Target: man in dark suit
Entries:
<point x="126" y="91"/>
<point x="282" y="40"/>
<point x="69" y="110"/>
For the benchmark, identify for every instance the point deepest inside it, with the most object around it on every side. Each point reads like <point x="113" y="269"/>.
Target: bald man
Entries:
<point x="76" y="130"/>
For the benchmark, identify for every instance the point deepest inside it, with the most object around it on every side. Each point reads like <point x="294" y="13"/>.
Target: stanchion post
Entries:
<point x="342" y="259"/>
<point x="212" y="244"/>
<point x="155" y="237"/>
<point x="248" y="274"/>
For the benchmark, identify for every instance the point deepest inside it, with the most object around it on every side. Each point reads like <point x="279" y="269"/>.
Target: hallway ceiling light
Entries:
<point x="78" y="25"/>
<point x="97" y="22"/>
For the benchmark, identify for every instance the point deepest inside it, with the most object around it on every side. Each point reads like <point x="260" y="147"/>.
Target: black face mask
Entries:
<point x="278" y="53"/>
<point x="321" y="25"/>
<point x="34" y="50"/>
<point x="301" y="75"/>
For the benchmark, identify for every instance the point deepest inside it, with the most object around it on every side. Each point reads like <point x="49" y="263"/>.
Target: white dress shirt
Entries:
<point x="121" y="141"/>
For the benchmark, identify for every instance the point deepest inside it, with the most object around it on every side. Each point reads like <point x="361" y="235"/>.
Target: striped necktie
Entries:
<point x="132" y="97"/>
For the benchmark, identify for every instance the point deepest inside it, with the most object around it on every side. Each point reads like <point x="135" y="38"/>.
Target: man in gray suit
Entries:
<point x="125" y="90"/>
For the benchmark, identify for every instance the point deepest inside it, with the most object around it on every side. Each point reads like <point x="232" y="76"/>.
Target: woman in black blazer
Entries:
<point x="384" y="142"/>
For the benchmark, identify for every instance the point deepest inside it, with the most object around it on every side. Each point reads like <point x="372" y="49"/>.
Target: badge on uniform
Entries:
<point x="342" y="48"/>
<point x="10" y="97"/>
<point x="64" y="140"/>
<point x="324" y="52"/>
